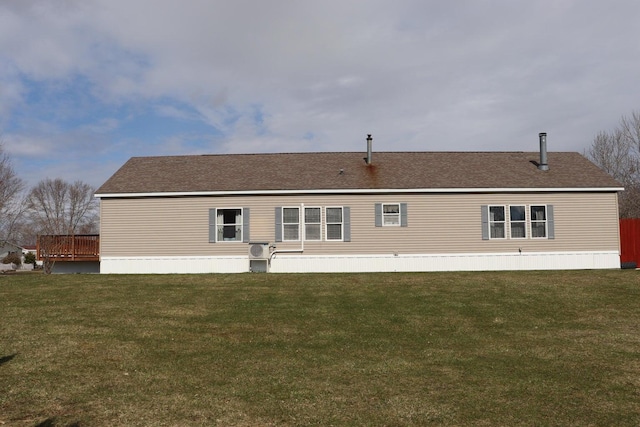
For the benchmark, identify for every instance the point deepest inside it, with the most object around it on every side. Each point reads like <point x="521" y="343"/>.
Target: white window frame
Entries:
<point x="533" y="221"/>
<point x="397" y="215"/>
<point x="284" y="224"/>
<point x="319" y="223"/>
<point x="327" y="224"/>
<point x="238" y="226"/>
<point x="503" y="222"/>
<point x="524" y="222"/>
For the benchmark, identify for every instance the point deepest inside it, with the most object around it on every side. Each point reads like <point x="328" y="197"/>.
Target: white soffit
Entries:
<point x="361" y="191"/>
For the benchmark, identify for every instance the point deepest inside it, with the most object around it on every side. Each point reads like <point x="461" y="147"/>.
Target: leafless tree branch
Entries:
<point x="618" y="153"/>
<point x="58" y="207"/>
<point x="11" y="187"/>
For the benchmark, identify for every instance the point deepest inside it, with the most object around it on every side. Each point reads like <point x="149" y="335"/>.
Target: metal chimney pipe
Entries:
<point x="543" y="166"/>
<point x="369" y="139"/>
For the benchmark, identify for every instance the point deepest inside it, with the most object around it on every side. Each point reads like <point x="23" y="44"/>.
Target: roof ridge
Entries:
<point x="280" y="153"/>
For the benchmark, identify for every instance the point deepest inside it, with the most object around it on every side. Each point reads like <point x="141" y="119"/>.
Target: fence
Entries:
<point x="630" y="240"/>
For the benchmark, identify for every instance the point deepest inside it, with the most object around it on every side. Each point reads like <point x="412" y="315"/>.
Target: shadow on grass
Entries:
<point x="51" y="422"/>
<point x="6" y="359"/>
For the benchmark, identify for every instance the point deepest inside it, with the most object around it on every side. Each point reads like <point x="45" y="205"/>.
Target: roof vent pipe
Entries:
<point x="543" y="166"/>
<point x="369" y="140"/>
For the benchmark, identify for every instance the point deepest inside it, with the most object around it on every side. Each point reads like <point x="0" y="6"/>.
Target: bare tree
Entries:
<point x="11" y="187"/>
<point x="618" y="153"/>
<point x="56" y="207"/>
<point x="631" y="128"/>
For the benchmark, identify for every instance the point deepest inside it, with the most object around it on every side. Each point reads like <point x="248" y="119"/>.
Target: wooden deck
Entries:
<point x="79" y="247"/>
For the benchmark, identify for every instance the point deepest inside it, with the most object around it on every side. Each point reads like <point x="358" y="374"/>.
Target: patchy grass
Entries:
<point x="527" y="348"/>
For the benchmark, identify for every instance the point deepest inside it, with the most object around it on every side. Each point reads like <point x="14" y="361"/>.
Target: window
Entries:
<point x="534" y="222"/>
<point x="312" y="224"/>
<point x="229" y="225"/>
<point x="290" y="224"/>
<point x="497" y="222"/>
<point x="391" y="214"/>
<point x="333" y="223"/>
<point x="518" y="223"/>
<point x="538" y="221"/>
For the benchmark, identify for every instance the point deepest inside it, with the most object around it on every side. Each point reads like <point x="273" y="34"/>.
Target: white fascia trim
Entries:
<point x="362" y="191"/>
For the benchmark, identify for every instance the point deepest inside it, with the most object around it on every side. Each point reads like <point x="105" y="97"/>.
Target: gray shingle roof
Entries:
<point x="322" y="171"/>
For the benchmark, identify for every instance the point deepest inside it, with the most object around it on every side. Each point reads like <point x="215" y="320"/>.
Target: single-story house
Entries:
<point x="7" y="248"/>
<point x="359" y="212"/>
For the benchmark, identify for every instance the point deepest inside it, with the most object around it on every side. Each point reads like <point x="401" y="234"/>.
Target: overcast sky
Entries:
<point x="87" y="84"/>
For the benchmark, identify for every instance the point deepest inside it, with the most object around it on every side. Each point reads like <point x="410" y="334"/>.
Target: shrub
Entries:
<point x="30" y="258"/>
<point x="12" y="258"/>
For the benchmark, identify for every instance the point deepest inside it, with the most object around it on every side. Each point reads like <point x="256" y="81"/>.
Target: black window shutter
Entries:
<point x="551" y="227"/>
<point x="403" y="215"/>
<point x="378" y="213"/>
<point x="245" y="225"/>
<point x="346" y="218"/>
<point x="278" y="224"/>
<point x="484" y="215"/>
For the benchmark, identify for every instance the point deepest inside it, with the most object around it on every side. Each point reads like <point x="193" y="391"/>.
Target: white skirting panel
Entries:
<point x="300" y="263"/>
<point x="173" y="265"/>
<point x="288" y="263"/>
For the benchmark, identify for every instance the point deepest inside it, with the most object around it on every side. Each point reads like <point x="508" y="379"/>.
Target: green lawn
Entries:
<point x="526" y="348"/>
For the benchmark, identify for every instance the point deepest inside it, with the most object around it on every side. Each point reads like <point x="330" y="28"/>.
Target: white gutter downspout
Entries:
<point x="302" y="238"/>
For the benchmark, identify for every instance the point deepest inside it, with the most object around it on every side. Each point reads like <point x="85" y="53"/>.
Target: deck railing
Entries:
<point x="59" y="247"/>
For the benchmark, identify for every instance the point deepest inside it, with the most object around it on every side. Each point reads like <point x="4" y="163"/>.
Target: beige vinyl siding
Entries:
<point x="437" y="224"/>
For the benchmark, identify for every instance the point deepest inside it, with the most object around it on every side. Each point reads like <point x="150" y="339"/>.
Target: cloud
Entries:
<point x="114" y="78"/>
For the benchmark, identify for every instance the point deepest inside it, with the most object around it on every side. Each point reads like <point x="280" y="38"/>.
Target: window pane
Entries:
<point x="497" y="231"/>
<point x="334" y="232"/>
<point x="334" y="215"/>
<point x="496" y="222"/>
<point x="538" y="213"/>
<point x="517" y="216"/>
<point x="518" y="230"/>
<point x="290" y="232"/>
<point x="393" y="209"/>
<point x="290" y="215"/>
<point x="517" y="213"/>
<point x="391" y="219"/>
<point x="312" y="232"/>
<point x="312" y="219"/>
<point x="538" y="229"/>
<point x="229" y="233"/>
<point x="312" y="215"/>
<point x="391" y="214"/>
<point x="230" y="216"/>
<point x="496" y="213"/>
<point x="229" y="227"/>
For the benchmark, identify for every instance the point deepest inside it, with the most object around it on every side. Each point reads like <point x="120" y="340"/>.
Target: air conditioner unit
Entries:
<point x="258" y="250"/>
